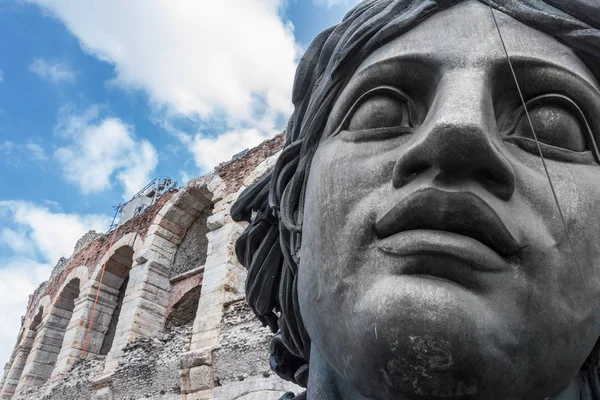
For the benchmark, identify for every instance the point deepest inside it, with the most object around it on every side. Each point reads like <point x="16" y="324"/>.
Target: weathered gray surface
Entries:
<point x="244" y="346"/>
<point x="149" y="368"/>
<point x="408" y="234"/>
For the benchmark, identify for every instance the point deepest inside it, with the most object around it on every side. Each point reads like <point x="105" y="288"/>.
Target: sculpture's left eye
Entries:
<point x="382" y="107"/>
<point x="562" y="130"/>
<point x="555" y="125"/>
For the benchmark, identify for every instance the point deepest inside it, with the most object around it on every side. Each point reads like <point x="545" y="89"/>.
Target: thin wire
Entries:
<point x="562" y="217"/>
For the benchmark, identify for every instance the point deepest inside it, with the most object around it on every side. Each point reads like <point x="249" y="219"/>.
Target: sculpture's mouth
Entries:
<point x="457" y="224"/>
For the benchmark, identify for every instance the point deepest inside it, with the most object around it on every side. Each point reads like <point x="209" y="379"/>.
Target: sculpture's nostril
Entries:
<point x="402" y="178"/>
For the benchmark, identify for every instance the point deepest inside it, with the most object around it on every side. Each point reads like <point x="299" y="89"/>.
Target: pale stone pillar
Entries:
<point x="16" y="368"/>
<point x="144" y="308"/>
<point x="77" y="329"/>
<point x="223" y="283"/>
<point x="6" y="371"/>
<point x="45" y="349"/>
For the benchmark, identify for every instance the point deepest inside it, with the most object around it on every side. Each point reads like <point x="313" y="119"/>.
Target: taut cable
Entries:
<point x="560" y="212"/>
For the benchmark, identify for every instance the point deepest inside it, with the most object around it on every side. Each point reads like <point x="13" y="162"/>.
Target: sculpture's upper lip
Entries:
<point x="462" y="213"/>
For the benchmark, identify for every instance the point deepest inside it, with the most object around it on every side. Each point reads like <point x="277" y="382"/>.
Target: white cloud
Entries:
<point x="16" y="241"/>
<point x="184" y="178"/>
<point x="7" y="147"/>
<point x="54" y="71"/>
<point x="39" y="225"/>
<point x="36" y="151"/>
<point x="20" y="155"/>
<point x="19" y="277"/>
<point x="227" y="63"/>
<point x="1" y="76"/>
<point x="29" y="247"/>
<point x="102" y="150"/>
<point x="194" y="57"/>
<point x="331" y="3"/>
<point x="208" y="152"/>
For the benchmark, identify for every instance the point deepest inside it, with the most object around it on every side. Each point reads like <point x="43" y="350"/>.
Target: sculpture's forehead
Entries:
<point x="465" y="35"/>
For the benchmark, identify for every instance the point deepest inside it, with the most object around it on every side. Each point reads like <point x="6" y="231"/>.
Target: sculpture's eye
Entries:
<point x="379" y="108"/>
<point x="557" y="121"/>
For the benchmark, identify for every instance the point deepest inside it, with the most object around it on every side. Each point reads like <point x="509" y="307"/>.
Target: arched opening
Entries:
<point x="192" y="251"/>
<point x="112" y="327"/>
<point x="65" y="303"/>
<point x="35" y="323"/>
<point x="49" y="338"/>
<point x="114" y="287"/>
<point x="22" y="353"/>
<point x="48" y="347"/>
<point x="184" y="311"/>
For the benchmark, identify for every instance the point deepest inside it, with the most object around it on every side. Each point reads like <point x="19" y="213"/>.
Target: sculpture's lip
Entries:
<point x="442" y="244"/>
<point x="462" y="213"/>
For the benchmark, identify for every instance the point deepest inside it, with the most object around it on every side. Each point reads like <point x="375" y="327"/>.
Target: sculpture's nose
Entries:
<point x="456" y="139"/>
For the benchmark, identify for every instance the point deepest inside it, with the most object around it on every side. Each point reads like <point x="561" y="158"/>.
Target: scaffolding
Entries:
<point x="143" y="199"/>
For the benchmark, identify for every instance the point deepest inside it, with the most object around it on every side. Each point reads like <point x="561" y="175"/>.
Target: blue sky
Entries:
<point x="98" y="97"/>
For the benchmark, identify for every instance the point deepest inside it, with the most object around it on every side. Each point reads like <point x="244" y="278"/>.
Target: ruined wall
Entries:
<point x="180" y="329"/>
<point x="191" y="253"/>
<point x="239" y="172"/>
<point x="91" y="248"/>
<point x="149" y="368"/>
<point x="241" y="361"/>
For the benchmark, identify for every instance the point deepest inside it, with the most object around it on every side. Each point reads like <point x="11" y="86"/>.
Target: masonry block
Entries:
<point x="201" y="378"/>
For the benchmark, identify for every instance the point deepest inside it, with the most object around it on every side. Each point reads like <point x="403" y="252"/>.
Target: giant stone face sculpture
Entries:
<point x="408" y="244"/>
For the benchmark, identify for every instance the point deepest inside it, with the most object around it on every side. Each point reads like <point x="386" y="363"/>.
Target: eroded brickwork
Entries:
<point x="235" y="172"/>
<point x="170" y="321"/>
<point x="89" y="252"/>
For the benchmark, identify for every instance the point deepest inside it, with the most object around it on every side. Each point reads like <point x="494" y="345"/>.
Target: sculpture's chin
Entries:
<point x="426" y="369"/>
<point x="420" y="341"/>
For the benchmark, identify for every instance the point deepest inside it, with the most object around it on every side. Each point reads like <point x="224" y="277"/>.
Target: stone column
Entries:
<point x="6" y="371"/>
<point x="144" y="308"/>
<point x="45" y="349"/>
<point x="16" y="368"/>
<point x="76" y="331"/>
<point x="223" y="283"/>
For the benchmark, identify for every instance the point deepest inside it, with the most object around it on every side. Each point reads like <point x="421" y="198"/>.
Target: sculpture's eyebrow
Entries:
<point x="563" y="73"/>
<point x="548" y="72"/>
<point x="411" y="65"/>
<point x="432" y="60"/>
<point x="542" y="76"/>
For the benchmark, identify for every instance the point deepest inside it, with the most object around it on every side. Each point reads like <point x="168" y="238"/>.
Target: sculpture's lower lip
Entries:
<point x="443" y="244"/>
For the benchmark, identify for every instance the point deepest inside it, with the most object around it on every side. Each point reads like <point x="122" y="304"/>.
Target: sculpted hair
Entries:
<point x="269" y="247"/>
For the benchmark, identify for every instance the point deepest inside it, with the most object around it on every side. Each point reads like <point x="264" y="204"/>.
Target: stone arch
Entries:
<point x="21" y="354"/>
<point x="178" y="215"/>
<point x="50" y="336"/>
<point x="70" y="348"/>
<point x="117" y="253"/>
<point x="177" y="241"/>
<point x="146" y="306"/>
<point x="119" y="262"/>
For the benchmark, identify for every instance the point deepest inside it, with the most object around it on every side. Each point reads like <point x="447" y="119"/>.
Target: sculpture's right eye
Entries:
<point x="382" y="108"/>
